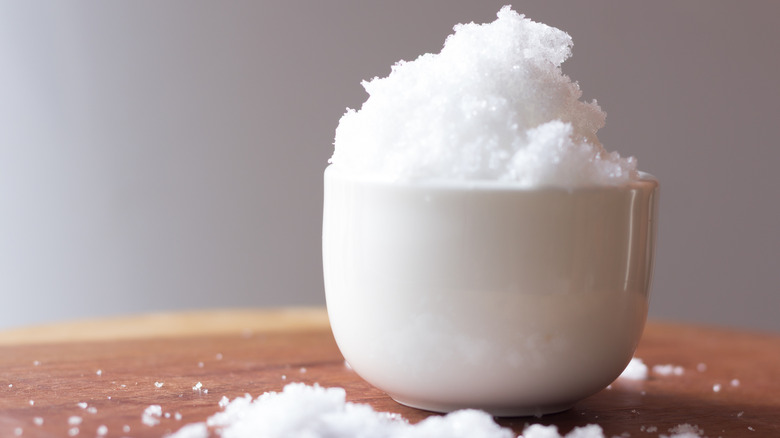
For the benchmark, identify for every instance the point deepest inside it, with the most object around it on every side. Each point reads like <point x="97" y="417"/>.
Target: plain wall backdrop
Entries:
<point x="168" y="155"/>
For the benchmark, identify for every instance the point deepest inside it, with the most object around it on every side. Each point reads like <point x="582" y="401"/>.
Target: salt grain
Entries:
<point x="73" y="431"/>
<point x="38" y="421"/>
<point x="750" y="428"/>
<point x="92" y="410"/>
<point x="18" y="431"/>
<point x="82" y="405"/>
<point x="219" y="356"/>
<point x="177" y="416"/>
<point x="740" y="413"/>
<point x="735" y="382"/>
<point x="701" y="367"/>
<point x="158" y="384"/>
<point x="668" y="370"/>
<point x="74" y="420"/>
<point x="636" y="370"/>
<point x="200" y="364"/>
<point x="197" y="387"/>
<point x="36" y="363"/>
<point x="102" y="430"/>
<point x="99" y="372"/>
<point x="125" y="428"/>
<point x="151" y="415"/>
<point x="32" y="402"/>
<point x="716" y="387"/>
<point x="684" y="431"/>
<point x="224" y="401"/>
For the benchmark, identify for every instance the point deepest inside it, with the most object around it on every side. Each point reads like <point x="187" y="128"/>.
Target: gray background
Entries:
<point x="168" y="155"/>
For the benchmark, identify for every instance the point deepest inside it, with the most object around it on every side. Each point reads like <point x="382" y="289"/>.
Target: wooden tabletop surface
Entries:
<point x="107" y="372"/>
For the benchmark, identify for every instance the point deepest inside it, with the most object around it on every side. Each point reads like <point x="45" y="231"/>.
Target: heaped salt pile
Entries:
<point x="315" y="412"/>
<point x="493" y="105"/>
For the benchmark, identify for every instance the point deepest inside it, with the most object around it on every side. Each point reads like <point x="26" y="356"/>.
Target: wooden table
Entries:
<point x="111" y="367"/>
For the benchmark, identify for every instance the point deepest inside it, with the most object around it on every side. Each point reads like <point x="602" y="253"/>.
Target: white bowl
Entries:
<point x="483" y="295"/>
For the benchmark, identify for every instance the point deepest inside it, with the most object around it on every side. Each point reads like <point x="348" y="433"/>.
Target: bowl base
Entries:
<point x="496" y="411"/>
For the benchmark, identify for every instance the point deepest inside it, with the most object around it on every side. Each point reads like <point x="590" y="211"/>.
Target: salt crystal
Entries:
<point x="99" y="372"/>
<point x="73" y="431"/>
<point x="18" y="431"/>
<point x="493" y="105"/>
<point x="716" y="387"/>
<point x="10" y="385"/>
<point x="284" y="377"/>
<point x="200" y="364"/>
<point x="735" y="382"/>
<point x="32" y="402"/>
<point x="177" y="416"/>
<point x="197" y="386"/>
<point x="636" y="370"/>
<point x="92" y="410"/>
<point x="740" y="413"/>
<point x="36" y="363"/>
<point x="701" y="367"/>
<point x="38" y="421"/>
<point x="302" y="370"/>
<point x="151" y="415"/>
<point x="167" y="415"/>
<point x="750" y="428"/>
<point x="541" y="431"/>
<point x="224" y="401"/>
<point x="102" y="430"/>
<point x="74" y="420"/>
<point x="684" y="431"/>
<point x="668" y="370"/>
<point x="82" y="405"/>
<point x="125" y="428"/>
<point x="219" y="356"/>
<point x="205" y="391"/>
<point x="158" y="384"/>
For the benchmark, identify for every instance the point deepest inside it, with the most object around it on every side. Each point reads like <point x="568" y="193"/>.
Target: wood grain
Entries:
<point x="115" y="376"/>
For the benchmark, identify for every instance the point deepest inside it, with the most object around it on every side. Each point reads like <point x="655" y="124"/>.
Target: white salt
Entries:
<point x="668" y="370"/>
<point x="540" y="431"/>
<point x="684" y="431"/>
<point x="735" y="382"/>
<point x="102" y="430"/>
<point x="702" y="367"/>
<point x="151" y="415"/>
<point x="177" y="416"/>
<point x="224" y="401"/>
<point x="92" y="410"/>
<point x="38" y="421"/>
<point x="36" y="363"/>
<point x="158" y="384"/>
<point x="73" y="431"/>
<point x="219" y="356"/>
<point x="74" y="420"/>
<point x="636" y="370"/>
<point x="197" y="386"/>
<point x="99" y="372"/>
<point x="32" y="402"/>
<point x="316" y="412"/>
<point x="493" y="105"/>
<point x="18" y="431"/>
<point x="716" y="387"/>
<point x="125" y="428"/>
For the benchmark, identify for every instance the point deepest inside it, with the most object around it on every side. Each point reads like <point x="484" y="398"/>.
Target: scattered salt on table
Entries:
<point x="636" y="370"/>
